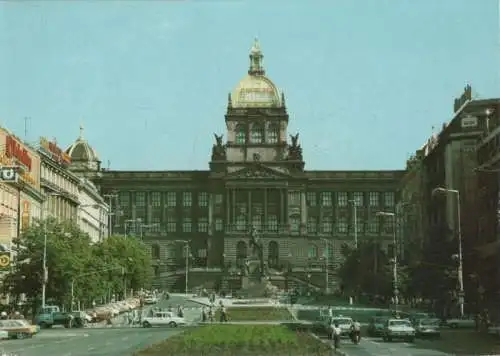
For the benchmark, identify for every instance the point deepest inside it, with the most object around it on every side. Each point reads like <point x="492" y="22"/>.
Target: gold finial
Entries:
<point x="81" y="132"/>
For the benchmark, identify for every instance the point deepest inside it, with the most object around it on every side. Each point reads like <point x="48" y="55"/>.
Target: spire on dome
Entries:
<point x="81" y="133"/>
<point x="256" y="57"/>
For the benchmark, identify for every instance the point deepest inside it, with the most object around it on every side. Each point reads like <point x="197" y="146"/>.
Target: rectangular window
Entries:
<point x="202" y="199"/>
<point x="272" y="222"/>
<point x="171" y="199"/>
<point x="124" y="199"/>
<point x="342" y="199"/>
<point x="219" y="224"/>
<point x="257" y="222"/>
<point x="358" y="198"/>
<point x="327" y="224"/>
<point x="218" y="199"/>
<point x="294" y="224"/>
<point x="203" y="224"/>
<point x="388" y="225"/>
<point x="187" y="199"/>
<point x="186" y="225"/>
<point x="140" y="199"/>
<point x="311" y="225"/>
<point x="311" y="198"/>
<point x="374" y="199"/>
<point x="342" y="225"/>
<point x="293" y="198"/>
<point x="373" y="225"/>
<point x="156" y="199"/>
<point x="360" y="224"/>
<point x="326" y="199"/>
<point x="155" y="224"/>
<point x="171" y="224"/>
<point x="389" y="199"/>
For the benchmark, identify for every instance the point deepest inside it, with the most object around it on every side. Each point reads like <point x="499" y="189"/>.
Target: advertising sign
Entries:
<point x="8" y="174"/>
<point x="51" y="149"/>
<point x="18" y="158"/>
<point x="25" y="215"/>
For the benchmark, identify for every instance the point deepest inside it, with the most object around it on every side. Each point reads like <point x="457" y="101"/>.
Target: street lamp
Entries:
<point x="461" y="297"/>
<point x="44" y="261"/>
<point x="394" y="257"/>
<point x="186" y="276"/>
<point x="327" y="248"/>
<point x="354" y="207"/>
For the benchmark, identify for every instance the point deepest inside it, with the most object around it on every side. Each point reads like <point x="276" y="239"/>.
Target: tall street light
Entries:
<point x="44" y="261"/>
<point x="186" y="276"/>
<point x="461" y="297"/>
<point x="327" y="252"/>
<point x="394" y="257"/>
<point x="355" y="208"/>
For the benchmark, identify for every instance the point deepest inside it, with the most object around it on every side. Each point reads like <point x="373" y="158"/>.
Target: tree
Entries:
<point x="67" y="254"/>
<point x="128" y="254"/>
<point x="368" y="269"/>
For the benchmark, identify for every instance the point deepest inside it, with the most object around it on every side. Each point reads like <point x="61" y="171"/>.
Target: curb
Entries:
<point x="336" y="352"/>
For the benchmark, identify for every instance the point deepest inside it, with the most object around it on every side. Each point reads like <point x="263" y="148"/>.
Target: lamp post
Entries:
<point x="44" y="258"/>
<point x="89" y="274"/>
<point x="394" y="257"/>
<point x="327" y="248"/>
<point x="355" y="211"/>
<point x="460" y="271"/>
<point x="186" y="276"/>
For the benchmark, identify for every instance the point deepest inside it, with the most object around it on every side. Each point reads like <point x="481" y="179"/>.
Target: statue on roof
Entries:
<point x="218" y="149"/>
<point x="294" y="150"/>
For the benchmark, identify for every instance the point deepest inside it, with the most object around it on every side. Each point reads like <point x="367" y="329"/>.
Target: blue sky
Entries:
<point x="365" y="80"/>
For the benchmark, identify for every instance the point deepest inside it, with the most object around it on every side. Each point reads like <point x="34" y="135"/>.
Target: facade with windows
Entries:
<point x="256" y="179"/>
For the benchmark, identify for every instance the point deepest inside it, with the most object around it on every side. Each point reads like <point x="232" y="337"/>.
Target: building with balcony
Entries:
<point x="488" y="229"/>
<point x="20" y="192"/>
<point x="256" y="178"/>
<point x="58" y="183"/>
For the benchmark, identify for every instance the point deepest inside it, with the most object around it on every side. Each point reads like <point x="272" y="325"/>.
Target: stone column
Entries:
<point x="233" y="201"/>
<point x="210" y="213"/>
<point x="249" y="207"/>
<point x="228" y="207"/>
<point x="265" y="210"/>
<point x="303" y="212"/>
<point x="282" y="206"/>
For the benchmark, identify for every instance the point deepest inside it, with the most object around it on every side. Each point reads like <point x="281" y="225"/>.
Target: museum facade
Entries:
<point x="256" y="178"/>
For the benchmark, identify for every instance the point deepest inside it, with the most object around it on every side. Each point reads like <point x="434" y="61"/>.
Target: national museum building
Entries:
<point x="256" y="178"/>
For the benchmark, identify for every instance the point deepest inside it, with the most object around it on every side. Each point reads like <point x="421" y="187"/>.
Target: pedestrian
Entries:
<point x="180" y="312"/>
<point x="203" y="314"/>
<point x="330" y="312"/>
<point x="223" y="313"/>
<point x="211" y="314"/>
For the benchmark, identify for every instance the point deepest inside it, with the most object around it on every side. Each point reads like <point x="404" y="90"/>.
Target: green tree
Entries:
<point x="68" y="252"/>
<point x="130" y="256"/>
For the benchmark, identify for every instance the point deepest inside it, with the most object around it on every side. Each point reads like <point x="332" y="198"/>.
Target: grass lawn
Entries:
<point x="464" y="342"/>
<point x="256" y="314"/>
<point x="240" y="340"/>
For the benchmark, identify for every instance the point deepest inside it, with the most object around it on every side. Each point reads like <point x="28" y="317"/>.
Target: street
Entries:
<point x="119" y="340"/>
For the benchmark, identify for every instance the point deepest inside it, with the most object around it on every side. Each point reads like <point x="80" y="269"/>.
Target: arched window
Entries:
<point x="273" y="133"/>
<point x="257" y="134"/>
<point x="155" y="252"/>
<point x="240" y="134"/>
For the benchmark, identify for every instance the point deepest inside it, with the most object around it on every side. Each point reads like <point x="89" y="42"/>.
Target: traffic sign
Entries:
<point x="4" y="260"/>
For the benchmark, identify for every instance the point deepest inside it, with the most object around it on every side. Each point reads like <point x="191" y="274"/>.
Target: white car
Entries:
<point x="344" y="323"/>
<point x="163" y="319"/>
<point x="398" y="329"/>
<point x="150" y="300"/>
<point x="461" y="323"/>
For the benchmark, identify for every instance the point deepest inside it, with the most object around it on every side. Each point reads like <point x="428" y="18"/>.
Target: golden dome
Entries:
<point x="255" y="89"/>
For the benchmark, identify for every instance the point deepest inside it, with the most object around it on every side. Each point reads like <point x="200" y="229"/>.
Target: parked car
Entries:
<point x="398" y="329"/>
<point x="18" y="328"/>
<point x="428" y="328"/>
<point x="460" y="323"/>
<point x="163" y="318"/>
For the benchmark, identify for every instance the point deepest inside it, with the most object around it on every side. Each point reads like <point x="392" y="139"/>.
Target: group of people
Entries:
<point x="208" y="314"/>
<point x="13" y="315"/>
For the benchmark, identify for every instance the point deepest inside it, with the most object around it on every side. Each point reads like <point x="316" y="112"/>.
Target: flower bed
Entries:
<point x="241" y="340"/>
<point x="256" y="314"/>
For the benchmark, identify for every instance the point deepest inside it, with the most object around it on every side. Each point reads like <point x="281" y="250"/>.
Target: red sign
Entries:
<point x="57" y="154"/>
<point x="13" y="149"/>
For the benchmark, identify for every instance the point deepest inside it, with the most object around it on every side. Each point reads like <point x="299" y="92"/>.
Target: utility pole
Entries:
<point x="110" y="198"/>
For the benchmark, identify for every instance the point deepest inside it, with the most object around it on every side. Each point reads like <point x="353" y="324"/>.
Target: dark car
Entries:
<point x="376" y="325"/>
<point x="428" y="328"/>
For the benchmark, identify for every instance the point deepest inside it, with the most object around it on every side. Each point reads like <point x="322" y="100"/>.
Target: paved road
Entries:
<point x="87" y="342"/>
<point x="119" y="340"/>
